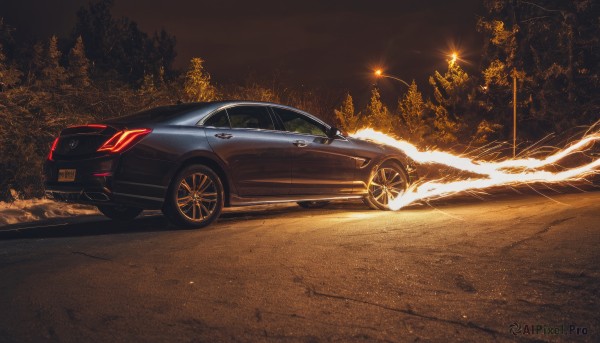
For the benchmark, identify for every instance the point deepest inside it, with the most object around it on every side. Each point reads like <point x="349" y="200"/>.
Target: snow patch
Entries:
<point x="21" y="211"/>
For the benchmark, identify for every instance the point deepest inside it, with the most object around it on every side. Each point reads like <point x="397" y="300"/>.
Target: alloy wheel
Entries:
<point x="197" y="197"/>
<point x="387" y="183"/>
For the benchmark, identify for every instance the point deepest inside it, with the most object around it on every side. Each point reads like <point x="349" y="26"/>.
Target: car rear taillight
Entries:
<point x="50" y="157"/>
<point x="123" y="140"/>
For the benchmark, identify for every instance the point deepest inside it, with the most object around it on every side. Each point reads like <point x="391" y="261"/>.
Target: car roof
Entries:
<point x="226" y="103"/>
<point x="191" y="113"/>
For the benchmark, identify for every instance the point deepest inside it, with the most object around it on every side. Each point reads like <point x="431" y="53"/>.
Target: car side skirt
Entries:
<point x="236" y="200"/>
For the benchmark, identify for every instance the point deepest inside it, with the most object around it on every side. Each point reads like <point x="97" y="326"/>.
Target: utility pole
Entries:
<point x="514" y="75"/>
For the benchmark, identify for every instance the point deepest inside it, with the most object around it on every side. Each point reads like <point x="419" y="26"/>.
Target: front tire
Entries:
<point x="120" y="213"/>
<point x="389" y="181"/>
<point x="195" y="198"/>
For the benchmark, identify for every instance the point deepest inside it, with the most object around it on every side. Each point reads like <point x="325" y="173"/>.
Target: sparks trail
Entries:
<point x="507" y="172"/>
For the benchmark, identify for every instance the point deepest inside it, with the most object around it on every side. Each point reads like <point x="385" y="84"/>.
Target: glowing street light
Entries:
<point x="453" y="58"/>
<point x="379" y="73"/>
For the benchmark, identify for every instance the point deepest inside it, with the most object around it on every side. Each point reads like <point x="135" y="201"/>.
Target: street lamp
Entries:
<point x="379" y="73"/>
<point x="453" y="59"/>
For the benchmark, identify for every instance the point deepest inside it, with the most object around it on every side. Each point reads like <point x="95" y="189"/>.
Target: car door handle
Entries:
<point x="300" y="143"/>
<point x="223" y="135"/>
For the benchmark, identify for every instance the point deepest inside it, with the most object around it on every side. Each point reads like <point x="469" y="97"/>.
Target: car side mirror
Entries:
<point x="333" y="132"/>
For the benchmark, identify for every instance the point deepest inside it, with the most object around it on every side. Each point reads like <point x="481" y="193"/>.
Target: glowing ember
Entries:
<point x="508" y="172"/>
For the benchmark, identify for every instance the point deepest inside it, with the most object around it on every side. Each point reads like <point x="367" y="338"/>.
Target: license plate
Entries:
<point x="66" y="175"/>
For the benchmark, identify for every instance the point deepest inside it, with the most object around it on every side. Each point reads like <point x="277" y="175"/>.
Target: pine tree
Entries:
<point x="412" y="110"/>
<point x="148" y="86"/>
<point x="484" y="132"/>
<point x="445" y="129"/>
<point x="197" y="85"/>
<point x="6" y="36"/>
<point x="164" y="50"/>
<point x="500" y="58"/>
<point x="9" y="74"/>
<point x="117" y="44"/>
<point x="553" y="45"/>
<point x="345" y="115"/>
<point x="53" y="74"/>
<point x="496" y="75"/>
<point x="451" y="100"/>
<point x="451" y="89"/>
<point x="161" y="76"/>
<point x="36" y="64"/>
<point x="79" y="65"/>
<point x="377" y="115"/>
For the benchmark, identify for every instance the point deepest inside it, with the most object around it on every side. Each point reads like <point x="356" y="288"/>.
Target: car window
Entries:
<point x="218" y="119"/>
<point x="296" y="122"/>
<point x="159" y="114"/>
<point x="250" y="117"/>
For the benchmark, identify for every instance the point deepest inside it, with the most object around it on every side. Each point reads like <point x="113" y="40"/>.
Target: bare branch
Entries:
<point x="538" y="6"/>
<point x="535" y="18"/>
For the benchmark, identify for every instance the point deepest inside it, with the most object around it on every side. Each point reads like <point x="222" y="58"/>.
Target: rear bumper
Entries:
<point x="91" y="195"/>
<point x="79" y="196"/>
<point x="96" y="184"/>
<point x="86" y="188"/>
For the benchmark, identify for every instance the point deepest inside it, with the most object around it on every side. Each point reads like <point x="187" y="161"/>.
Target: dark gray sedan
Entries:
<point x="191" y="160"/>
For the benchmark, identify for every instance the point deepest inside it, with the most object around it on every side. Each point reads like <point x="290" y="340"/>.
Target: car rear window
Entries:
<point x="218" y="119"/>
<point x="158" y="114"/>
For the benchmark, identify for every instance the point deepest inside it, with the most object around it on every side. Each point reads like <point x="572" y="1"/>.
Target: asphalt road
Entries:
<point x="462" y="270"/>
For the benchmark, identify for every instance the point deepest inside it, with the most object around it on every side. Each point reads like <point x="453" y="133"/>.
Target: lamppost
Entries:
<point x="514" y="76"/>
<point x="379" y="73"/>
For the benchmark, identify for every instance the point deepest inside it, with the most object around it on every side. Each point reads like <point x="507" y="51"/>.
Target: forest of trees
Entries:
<point x="553" y="49"/>
<point x="109" y="67"/>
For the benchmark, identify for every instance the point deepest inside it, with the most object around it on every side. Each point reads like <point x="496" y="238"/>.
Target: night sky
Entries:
<point x="322" y="44"/>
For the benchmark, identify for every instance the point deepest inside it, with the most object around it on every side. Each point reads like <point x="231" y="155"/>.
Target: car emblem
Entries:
<point x="73" y="143"/>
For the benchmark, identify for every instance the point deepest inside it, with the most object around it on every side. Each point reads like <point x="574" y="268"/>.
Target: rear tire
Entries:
<point x="195" y="197"/>
<point x="120" y="213"/>
<point x="312" y="204"/>
<point x="388" y="181"/>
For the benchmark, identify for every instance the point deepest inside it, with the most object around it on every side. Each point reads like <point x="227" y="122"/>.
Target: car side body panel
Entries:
<point x="323" y="166"/>
<point x="259" y="161"/>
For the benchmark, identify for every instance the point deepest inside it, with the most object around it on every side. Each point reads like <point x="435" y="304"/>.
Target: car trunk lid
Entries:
<point x="79" y="142"/>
